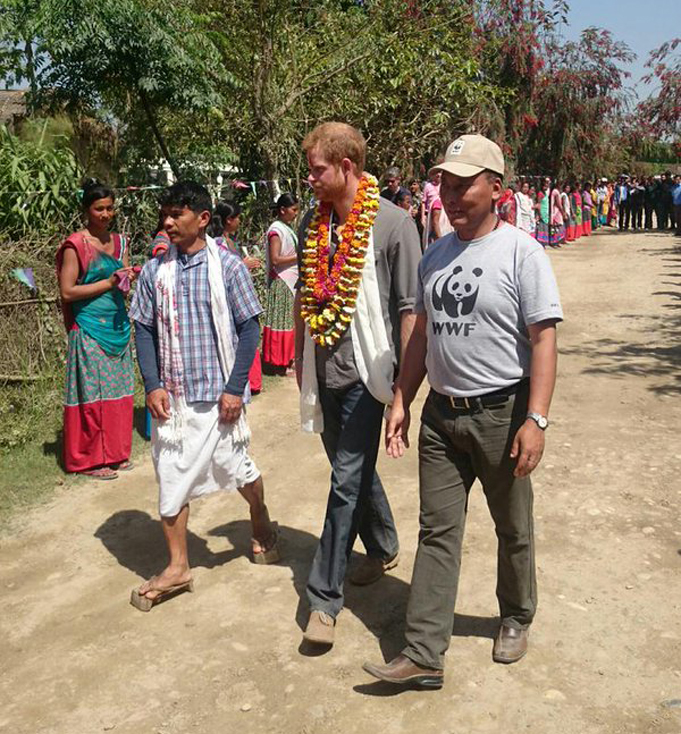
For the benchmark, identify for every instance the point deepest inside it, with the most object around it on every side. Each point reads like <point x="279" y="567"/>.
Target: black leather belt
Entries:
<point x="498" y="397"/>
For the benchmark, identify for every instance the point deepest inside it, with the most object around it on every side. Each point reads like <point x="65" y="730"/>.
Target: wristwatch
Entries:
<point x="541" y="420"/>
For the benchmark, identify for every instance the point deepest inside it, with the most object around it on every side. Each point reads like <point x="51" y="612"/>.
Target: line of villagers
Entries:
<point x="475" y="315"/>
<point x="554" y="214"/>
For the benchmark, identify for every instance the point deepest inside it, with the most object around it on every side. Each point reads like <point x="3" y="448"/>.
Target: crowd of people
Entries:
<point x="95" y="275"/>
<point x="373" y="292"/>
<point x="551" y="212"/>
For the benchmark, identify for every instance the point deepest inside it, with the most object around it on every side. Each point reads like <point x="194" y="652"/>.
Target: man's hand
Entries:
<point x="230" y="407"/>
<point x="158" y="403"/>
<point x="528" y="447"/>
<point x="397" y="430"/>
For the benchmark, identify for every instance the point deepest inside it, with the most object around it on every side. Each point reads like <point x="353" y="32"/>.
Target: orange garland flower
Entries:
<point x="329" y="293"/>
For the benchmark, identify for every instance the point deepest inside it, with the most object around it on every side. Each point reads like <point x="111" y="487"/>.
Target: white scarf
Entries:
<point x="171" y="367"/>
<point x="373" y="356"/>
<point x="289" y="241"/>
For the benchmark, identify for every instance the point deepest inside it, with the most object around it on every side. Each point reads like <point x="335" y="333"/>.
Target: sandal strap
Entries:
<point x="104" y="471"/>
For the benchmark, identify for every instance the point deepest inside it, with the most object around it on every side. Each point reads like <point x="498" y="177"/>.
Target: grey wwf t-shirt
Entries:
<point x="479" y="297"/>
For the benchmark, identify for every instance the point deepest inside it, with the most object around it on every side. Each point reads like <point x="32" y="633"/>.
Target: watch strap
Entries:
<point x="541" y="420"/>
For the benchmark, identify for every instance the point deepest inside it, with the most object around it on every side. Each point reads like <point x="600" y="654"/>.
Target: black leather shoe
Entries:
<point x="405" y="672"/>
<point x="510" y="645"/>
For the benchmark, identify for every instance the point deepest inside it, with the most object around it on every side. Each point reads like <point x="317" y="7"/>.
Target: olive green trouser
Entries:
<point x="455" y="448"/>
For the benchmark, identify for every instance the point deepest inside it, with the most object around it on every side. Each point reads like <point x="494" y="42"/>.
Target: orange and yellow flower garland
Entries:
<point x="329" y="298"/>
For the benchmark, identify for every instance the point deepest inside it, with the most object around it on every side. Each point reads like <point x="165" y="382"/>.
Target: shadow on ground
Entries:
<point x="139" y="421"/>
<point x="55" y="448"/>
<point x="135" y="540"/>
<point x="641" y="355"/>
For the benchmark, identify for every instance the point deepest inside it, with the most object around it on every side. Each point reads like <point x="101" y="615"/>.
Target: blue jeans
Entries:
<point x="357" y="503"/>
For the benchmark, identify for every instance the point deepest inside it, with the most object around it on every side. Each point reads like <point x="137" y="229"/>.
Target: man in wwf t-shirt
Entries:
<point x="487" y="306"/>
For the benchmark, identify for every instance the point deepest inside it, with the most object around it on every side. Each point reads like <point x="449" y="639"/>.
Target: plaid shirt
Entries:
<point x="203" y="377"/>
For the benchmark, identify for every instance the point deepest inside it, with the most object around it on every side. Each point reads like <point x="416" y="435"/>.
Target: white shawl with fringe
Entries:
<point x="171" y="367"/>
<point x="373" y="355"/>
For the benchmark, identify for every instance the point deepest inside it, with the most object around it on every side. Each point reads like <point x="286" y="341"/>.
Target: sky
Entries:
<point x="643" y="25"/>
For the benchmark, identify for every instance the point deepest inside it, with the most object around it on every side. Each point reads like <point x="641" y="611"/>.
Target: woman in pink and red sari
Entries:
<point x="278" y="339"/>
<point x="94" y="274"/>
<point x="506" y="207"/>
<point x="576" y="203"/>
<point x="587" y="208"/>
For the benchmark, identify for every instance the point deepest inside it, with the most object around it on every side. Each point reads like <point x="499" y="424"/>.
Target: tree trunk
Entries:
<point x="30" y="68"/>
<point x="157" y="133"/>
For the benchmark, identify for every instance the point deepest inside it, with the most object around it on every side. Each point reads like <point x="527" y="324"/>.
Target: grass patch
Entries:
<point x="31" y="473"/>
<point x="28" y="475"/>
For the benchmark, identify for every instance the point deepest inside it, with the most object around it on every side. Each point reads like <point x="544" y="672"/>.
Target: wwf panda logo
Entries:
<point x="456" y="147"/>
<point x="455" y="293"/>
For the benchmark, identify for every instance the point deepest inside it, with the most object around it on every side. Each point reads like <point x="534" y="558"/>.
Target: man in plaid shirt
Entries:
<point x="208" y="456"/>
<point x="204" y="381"/>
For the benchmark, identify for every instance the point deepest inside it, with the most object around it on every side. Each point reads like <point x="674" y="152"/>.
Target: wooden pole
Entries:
<point x="26" y="302"/>
<point x="20" y="378"/>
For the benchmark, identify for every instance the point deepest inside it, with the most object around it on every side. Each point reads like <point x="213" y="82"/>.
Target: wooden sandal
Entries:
<point x="269" y="550"/>
<point x="144" y="603"/>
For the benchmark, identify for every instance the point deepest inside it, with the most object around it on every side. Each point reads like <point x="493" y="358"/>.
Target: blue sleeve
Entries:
<point x="146" y="344"/>
<point x="248" y="332"/>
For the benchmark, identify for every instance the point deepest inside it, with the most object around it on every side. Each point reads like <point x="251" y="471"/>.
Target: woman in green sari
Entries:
<point x="94" y="274"/>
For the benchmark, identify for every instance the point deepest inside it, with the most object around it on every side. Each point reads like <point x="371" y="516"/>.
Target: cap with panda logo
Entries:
<point x="470" y="155"/>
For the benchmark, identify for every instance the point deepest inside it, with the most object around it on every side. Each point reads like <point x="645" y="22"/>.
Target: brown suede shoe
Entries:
<point x="321" y="628"/>
<point x="510" y="645"/>
<point x="370" y="569"/>
<point x="405" y="672"/>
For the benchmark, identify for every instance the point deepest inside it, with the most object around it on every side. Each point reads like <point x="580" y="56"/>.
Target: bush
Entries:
<point x="37" y="185"/>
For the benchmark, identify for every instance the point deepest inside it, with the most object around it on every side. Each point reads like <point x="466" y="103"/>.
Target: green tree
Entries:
<point x="422" y="84"/>
<point x="242" y="81"/>
<point x="129" y="58"/>
<point x="21" y="53"/>
<point x="37" y="184"/>
<point x="401" y="71"/>
<point x="512" y="42"/>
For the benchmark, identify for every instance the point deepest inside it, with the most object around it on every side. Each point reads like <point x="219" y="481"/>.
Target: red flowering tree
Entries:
<point x="512" y="37"/>
<point x="579" y="99"/>
<point x="561" y="101"/>
<point x="661" y="112"/>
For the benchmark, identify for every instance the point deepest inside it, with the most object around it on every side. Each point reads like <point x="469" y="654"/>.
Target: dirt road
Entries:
<point x="605" y="651"/>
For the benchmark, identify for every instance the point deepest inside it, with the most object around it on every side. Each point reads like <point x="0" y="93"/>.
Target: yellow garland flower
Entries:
<point x="329" y="293"/>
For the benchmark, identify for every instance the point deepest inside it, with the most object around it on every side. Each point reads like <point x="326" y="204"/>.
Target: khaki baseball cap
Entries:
<point x="470" y="155"/>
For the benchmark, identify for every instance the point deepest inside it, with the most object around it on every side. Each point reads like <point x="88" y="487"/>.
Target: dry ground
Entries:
<point x="605" y="646"/>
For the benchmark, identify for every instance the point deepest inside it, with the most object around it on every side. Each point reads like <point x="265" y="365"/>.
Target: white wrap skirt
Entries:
<point x="206" y="460"/>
